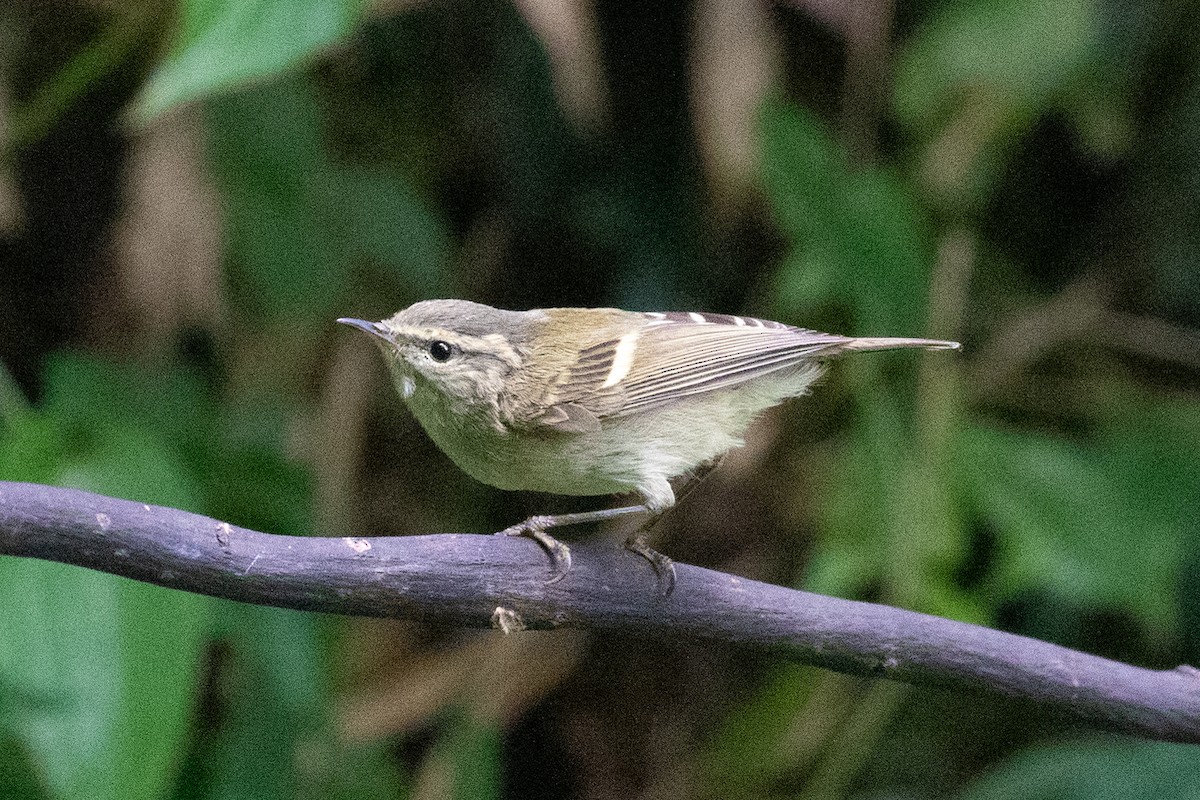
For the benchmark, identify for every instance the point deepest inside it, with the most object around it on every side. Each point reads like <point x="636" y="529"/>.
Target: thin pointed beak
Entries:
<point x="373" y="328"/>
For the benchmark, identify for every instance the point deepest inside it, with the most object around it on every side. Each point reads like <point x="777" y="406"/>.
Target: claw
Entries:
<point x="559" y="553"/>
<point x="664" y="567"/>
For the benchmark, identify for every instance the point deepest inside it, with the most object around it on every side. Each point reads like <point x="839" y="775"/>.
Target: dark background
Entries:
<point x="190" y="194"/>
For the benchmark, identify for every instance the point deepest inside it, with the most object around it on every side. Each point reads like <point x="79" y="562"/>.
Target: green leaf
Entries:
<point x="389" y="224"/>
<point x="162" y="635"/>
<point x="472" y="750"/>
<point x="225" y="43"/>
<point x="858" y="237"/>
<point x="888" y="521"/>
<point x="751" y="750"/>
<point x="1018" y="53"/>
<point x="358" y="771"/>
<point x="133" y="464"/>
<point x="1101" y="771"/>
<point x="31" y="448"/>
<point x="852" y="552"/>
<point x="250" y="480"/>
<point x="1076" y="521"/>
<point x="98" y="673"/>
<point x="275" y="737"/>
<point x="298" y="223"/>
<point x="12" y="400"/>
<point x="270" y="160"/>
<point x="19" y="776"/>
<point x="976" y="75"/>
<point x="88" y="397"/>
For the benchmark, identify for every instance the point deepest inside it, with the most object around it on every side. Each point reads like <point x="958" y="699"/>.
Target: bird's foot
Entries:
<point x="664" y="567"/>
<point x="535" y="528"/>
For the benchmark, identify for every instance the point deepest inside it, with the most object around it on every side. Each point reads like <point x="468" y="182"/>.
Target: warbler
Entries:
<point x="596" y="401"/>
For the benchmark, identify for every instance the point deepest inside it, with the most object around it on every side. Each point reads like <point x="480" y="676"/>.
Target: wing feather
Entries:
<point x="708" y="356"/>
<point x="681" y="355"/>
<point x="678" y="355"/>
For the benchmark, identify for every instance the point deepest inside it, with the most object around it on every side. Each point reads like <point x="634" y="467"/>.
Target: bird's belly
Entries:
<point x="557" y="463"/>
<point x="635" y="452"/>
<point x="624" y="455"/>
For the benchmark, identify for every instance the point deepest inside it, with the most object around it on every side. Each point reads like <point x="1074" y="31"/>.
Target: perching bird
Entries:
<point x="596" y="401"/>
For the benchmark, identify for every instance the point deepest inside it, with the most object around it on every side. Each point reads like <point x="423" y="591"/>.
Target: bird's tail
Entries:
<point x="891" y="343"/>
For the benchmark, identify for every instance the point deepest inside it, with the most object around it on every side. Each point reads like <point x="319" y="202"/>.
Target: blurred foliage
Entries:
<point x="102" y="700"/>
<point x="862" y="243"/>
<point x="297" y="222"/>
<point x="1032" y="193"/>
<point x="221" y="44"/>
<point x="1128" y="770"/>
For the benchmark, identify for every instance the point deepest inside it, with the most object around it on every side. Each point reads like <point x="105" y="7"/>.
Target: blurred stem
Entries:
<point x="886" y="431"/>
<point x="913" y="455"/>
<point x="936" y="530"/>
<point x="868" y="80"/>
<point x="856" y="741"/>
<point x="345" y="402"/>
<point x="1021" y="338"/>
<point x="808" y="734"/>
<point x="939" y="390"/>
<point x="13" y="402"/>
<point x="100" y="57"/>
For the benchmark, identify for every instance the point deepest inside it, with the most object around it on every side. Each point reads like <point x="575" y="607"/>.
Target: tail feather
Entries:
<point x="892" y="343"/>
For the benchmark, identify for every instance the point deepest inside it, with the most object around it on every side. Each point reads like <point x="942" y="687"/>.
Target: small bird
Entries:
<point x="596" y="401"/>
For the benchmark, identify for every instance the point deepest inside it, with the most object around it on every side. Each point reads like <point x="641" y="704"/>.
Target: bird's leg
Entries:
<point x="560" y="555"/>
<point x="664" y="567"/>
<point x="698" y="476"/>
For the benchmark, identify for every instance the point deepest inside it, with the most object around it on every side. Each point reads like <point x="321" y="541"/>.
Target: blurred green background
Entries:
<point x="191" y="193"/>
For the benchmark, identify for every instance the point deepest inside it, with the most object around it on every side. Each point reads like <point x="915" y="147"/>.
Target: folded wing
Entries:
<point x="679" y="355"/>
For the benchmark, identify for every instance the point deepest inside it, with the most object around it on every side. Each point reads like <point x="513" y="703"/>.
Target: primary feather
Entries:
<point x="671" y="356"/>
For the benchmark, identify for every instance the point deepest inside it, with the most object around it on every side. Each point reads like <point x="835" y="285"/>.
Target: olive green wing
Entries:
<point x="690" y="353"/>
<point x="670" y="356"/>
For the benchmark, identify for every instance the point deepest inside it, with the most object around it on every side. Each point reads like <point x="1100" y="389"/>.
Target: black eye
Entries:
<point x="440" y="351"/>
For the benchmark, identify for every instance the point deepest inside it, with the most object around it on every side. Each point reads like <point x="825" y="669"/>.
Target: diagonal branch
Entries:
<point x="471" y="580"/>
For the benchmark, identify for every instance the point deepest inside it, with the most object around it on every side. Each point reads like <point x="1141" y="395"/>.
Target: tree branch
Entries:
<point x="472" y="580"/>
